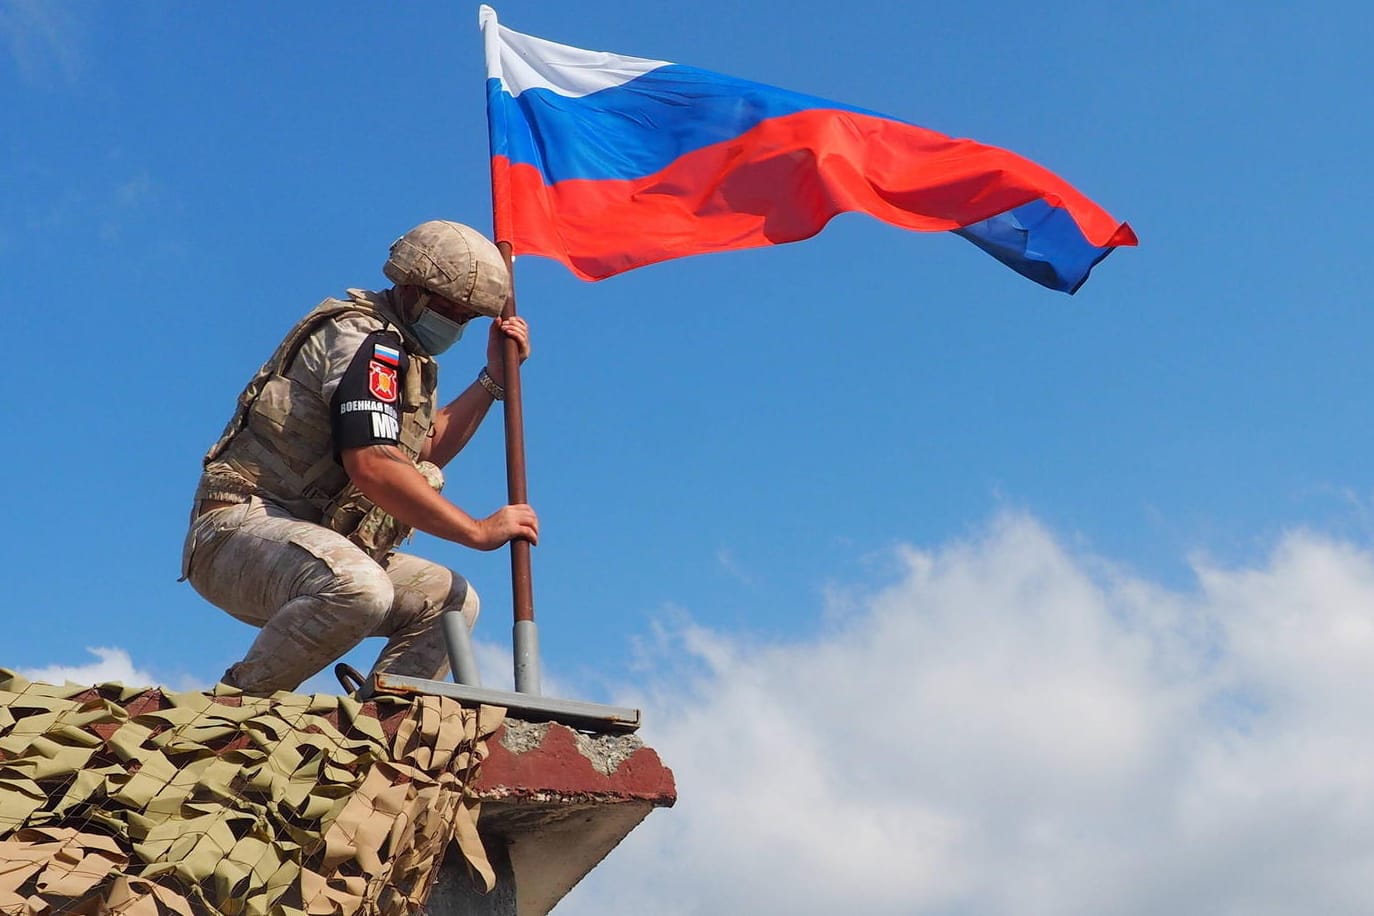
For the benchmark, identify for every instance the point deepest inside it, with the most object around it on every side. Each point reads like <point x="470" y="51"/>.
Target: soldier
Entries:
<point x="334" y="455"/>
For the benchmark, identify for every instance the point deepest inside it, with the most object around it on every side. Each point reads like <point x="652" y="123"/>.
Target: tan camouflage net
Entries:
<point x="140" y="802"/>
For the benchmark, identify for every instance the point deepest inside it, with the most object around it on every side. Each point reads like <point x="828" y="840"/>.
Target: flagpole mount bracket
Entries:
<point x="577" y="714"/>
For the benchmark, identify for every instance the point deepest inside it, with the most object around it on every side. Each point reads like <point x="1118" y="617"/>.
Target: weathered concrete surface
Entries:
<point x="455" y="895"/>
<point x="558" y="801"/>
<point x="605" y="752"/>
<point x="526" y="759"/>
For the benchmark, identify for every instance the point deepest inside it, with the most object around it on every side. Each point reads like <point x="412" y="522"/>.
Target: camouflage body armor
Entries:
<point x="278" y="445"/>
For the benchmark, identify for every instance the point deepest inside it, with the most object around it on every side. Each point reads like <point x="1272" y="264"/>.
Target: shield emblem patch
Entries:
<point x="381" y="381"/>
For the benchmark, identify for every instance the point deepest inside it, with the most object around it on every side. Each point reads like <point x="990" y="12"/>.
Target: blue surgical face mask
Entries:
<point x="435" y="332"/>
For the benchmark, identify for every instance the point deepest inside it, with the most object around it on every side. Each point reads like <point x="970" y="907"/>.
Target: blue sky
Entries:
<point x="758" y="455"/>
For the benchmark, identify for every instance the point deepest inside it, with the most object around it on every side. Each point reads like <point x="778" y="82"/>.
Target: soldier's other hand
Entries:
<point x="515" y="328"/>
<point x="508" y="523"/>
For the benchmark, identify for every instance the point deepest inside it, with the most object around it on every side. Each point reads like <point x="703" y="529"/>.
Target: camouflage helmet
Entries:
<point x="453" y="260"/>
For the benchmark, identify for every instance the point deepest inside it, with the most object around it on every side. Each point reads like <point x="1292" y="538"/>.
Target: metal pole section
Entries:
<point x="525" y="636"/>
<point x="460" y="657"/>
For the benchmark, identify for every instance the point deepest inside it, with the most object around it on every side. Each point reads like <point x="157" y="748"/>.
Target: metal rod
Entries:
<point x="522" y="584"/>
<point x="461" y="660"/>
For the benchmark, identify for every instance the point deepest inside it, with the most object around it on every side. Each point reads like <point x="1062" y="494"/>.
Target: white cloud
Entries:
<point x="1011" y="728"/>
<point x="43" y="38"/>
<point x="726" y="558"/>
<point x="112" y="665"/>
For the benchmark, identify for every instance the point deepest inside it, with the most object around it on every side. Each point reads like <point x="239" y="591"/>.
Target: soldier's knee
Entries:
<point x="365" y="591"/>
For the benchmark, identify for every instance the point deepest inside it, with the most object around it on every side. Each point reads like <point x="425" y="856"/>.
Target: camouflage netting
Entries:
<point x="140" y="802"/>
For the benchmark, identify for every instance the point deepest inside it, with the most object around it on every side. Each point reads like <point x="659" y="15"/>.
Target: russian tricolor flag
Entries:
<point x="608" y="163"/>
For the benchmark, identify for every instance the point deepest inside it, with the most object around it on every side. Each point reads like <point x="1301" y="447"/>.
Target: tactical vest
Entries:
<point x="279" y="433"/>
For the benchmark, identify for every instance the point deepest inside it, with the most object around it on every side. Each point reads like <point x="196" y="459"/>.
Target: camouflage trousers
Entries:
<point x="315" y="595"/>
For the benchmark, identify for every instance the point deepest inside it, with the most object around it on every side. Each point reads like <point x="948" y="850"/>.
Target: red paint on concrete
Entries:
<point x="558" y="766"/>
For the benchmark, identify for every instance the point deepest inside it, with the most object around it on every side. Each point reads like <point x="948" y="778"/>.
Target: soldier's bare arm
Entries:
<point x="456" y="423"/>
<point x="387" y="477"/>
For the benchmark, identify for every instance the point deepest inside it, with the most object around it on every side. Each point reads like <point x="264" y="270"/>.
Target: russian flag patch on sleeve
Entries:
<point x="387" y="355"/>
